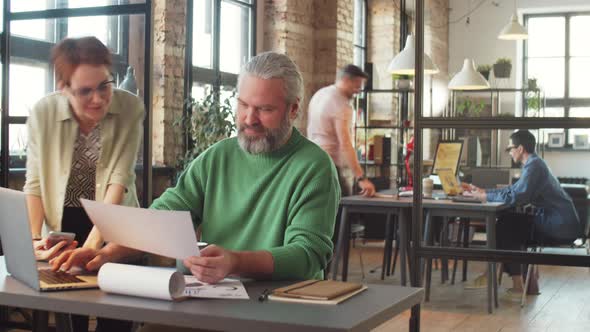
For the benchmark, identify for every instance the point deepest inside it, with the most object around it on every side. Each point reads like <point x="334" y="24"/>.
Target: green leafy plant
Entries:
<point x="400" y="77"/>
<point x="533" y="102"/>
<point x="469" y="107"/>
<point x="206" y="122"/>
<point x="481" y="68"/>
<point x="502" y="68"/>
<point x="484" y="70"/>
<point x="504" y="61"/>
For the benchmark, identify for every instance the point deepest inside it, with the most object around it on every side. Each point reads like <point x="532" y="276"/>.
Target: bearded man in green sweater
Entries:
<point x="266" y="200"/>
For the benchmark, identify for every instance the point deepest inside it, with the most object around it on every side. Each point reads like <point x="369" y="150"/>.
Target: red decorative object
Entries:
<point x="409" y="151"/>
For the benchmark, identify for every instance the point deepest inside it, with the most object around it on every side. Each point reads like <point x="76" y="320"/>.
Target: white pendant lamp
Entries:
<point x="403" y="62"/>
<point x="513" y="30"/>
<point x="468" y="78"/>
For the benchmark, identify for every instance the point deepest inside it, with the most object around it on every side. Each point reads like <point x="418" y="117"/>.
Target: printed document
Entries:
<point x="166" y="233"/>
<point x="225" y="289"/>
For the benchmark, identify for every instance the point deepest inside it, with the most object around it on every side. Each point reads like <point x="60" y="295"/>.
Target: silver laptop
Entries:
<point x="15" y="233"/>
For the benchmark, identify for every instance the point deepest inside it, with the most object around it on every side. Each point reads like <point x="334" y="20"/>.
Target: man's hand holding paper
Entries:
<point x="214" y="264"/>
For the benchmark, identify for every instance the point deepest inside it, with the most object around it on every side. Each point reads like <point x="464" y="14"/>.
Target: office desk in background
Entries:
<point x="363" y="312"/>
<point x="402" y="207"/>
<point x="487" y="211"/>
<point x="360" y="204"/>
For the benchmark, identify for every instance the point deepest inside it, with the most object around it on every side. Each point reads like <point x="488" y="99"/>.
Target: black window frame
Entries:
<point x="360" y="46"/>
<point x="19" y="47"/>
<point x="214" y="76"/>
<point x="566" y="102"/>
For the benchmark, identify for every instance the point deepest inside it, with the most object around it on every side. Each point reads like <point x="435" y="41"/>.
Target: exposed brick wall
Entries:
<point x="382" y="45"/>
<point x="317" y="35"/>
<point x="168" y="79"/>
<point x="326" y="35"/>
<point x="345" y="25"/>
<point x="436" y="44"/>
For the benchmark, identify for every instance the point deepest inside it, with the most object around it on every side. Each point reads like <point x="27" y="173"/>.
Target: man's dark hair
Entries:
<point x="524" y="138"/>
<point x="351" y="71"/>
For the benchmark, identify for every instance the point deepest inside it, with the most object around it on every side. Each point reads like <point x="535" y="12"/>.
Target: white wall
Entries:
<point x="569" y="164"/>
<point x="478" y="40"/>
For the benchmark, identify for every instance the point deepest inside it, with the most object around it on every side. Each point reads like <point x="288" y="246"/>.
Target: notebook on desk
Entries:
<point x="317" y="292"/>
<point x="18" y="250"/>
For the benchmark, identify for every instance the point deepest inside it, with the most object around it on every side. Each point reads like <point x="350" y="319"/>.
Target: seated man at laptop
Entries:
<point x="266" y="200"/>
<point x="555" y="217"/>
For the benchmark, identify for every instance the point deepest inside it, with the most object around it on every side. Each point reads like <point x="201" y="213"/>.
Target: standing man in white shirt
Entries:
<point x="330" y="125"/>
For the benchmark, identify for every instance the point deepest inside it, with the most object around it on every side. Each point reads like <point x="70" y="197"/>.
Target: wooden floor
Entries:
<point x="564" y="303"/>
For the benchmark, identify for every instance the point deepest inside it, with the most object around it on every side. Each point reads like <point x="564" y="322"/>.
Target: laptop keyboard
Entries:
<point x="57" y="277"/>
<point x="465" y="199"/>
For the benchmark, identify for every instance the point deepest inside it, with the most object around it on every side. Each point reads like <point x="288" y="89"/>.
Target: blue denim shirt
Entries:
<point x="555" y="213"/>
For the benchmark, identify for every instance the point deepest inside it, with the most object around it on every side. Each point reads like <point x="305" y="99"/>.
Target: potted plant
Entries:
<point x="533" y="103"/>
<point x="469" y="108"/>
<point x="205" y="122"/>
<point x="532" y="83"/>
<point x="402" y="82"/>
<point x="502" y="68"/>
<point x="484" y="70"/>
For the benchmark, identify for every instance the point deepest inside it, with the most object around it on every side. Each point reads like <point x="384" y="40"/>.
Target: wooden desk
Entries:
<point x="361" y="204"/>
<point x="402" y="208"/>
<point x="486" y="211"/>
<point x="363" y="312"/>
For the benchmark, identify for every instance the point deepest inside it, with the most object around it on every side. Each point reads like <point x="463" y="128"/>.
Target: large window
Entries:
<point x="557" y="54"/>
<point x="360" y="33"/>
<point x="34" y="27"/>
<point x="222" y="41"/>
<point x="31" y="75"/>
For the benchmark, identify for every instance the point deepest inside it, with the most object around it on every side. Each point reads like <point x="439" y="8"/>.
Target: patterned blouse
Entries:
<point x="82" y="181"/>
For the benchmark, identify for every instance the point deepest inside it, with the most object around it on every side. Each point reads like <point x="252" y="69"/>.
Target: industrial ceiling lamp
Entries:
<point x="403" y="62"/>
<point x="468" y="78"/>
<point x="513" y="30"/>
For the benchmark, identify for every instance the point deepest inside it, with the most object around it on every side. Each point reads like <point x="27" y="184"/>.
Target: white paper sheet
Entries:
<point x="165" y="233"/>
<point x="153" y="282"/>
<point x="225" y="289"/>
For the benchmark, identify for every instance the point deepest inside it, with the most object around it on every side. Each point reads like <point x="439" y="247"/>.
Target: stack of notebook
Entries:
<point x="317" y="291"/>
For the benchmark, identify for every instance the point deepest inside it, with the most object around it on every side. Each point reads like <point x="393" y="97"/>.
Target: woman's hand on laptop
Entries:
<point x="80" y="257"/>
<point x="42" y="254"/>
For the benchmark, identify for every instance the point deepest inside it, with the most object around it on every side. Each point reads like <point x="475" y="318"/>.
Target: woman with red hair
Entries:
<point x="83" y="143"/>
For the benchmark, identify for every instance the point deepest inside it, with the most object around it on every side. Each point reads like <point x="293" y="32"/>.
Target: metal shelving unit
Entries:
<point x="397" y="134"/>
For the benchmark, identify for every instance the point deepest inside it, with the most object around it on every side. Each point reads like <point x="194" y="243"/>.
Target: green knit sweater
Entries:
<point x="284" y="202"/>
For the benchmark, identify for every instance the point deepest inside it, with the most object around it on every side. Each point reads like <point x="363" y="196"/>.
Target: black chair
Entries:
<point x="579" y="196"/>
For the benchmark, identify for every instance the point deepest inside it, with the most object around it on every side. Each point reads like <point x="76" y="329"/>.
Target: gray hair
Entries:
<point x="270" y="65"/>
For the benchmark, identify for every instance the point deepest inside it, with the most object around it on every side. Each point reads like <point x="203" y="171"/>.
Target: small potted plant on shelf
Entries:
<point x="484" y="70"/>
<point x="502" y="68"/>
<point x="531" y="83"/>
<point x="402" y="82"/>
<point x="533" y="103"/>
<point x="469" y="108"/>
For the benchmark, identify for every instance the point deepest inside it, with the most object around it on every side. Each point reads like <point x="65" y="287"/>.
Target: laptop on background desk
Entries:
<point x="452" y="189"/>
<point x="17" y="244"/>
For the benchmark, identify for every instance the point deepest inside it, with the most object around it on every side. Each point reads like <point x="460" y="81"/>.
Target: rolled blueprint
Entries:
<point x="153" y="282"/>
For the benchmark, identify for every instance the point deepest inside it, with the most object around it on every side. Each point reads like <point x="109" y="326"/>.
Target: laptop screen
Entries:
<point x="15" y="232"/>
<point x="448" y="154"/>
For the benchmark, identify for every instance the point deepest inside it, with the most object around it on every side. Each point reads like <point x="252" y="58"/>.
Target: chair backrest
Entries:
<point x="579" y="196"/>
